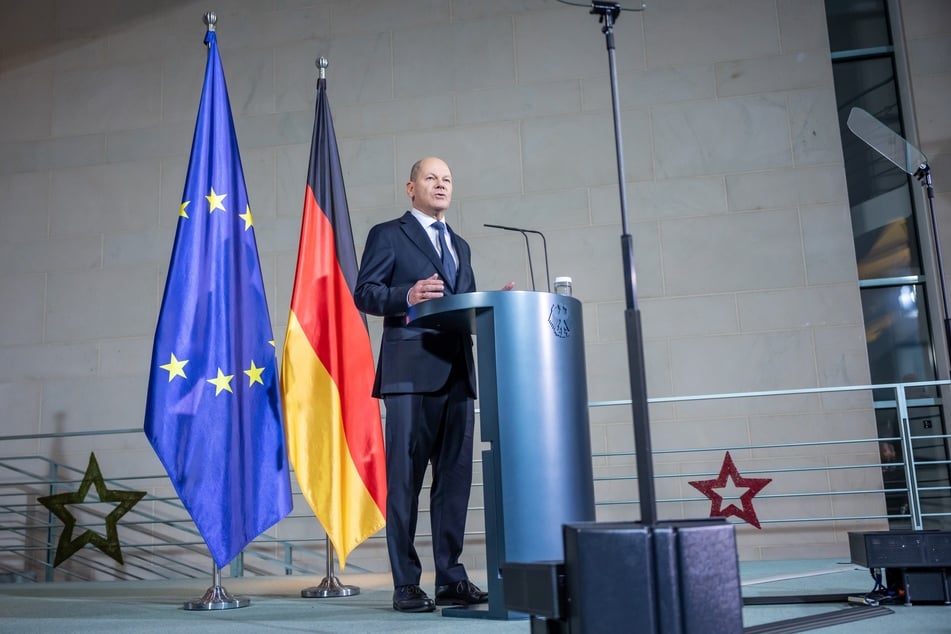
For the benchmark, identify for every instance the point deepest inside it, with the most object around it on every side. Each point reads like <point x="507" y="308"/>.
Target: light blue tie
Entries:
<point x="448" y="264"/>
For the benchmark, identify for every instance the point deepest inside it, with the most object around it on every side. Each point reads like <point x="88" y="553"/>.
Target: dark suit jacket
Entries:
<point x="399" y="253"/>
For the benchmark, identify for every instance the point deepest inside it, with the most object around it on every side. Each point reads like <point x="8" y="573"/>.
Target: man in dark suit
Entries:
<point x="426" y="379"/>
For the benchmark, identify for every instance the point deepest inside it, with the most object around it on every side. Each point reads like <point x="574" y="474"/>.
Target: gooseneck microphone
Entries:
<point x="528" y="249"/>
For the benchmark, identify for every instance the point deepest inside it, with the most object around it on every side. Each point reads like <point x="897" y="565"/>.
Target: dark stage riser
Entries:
<point x="677" y="577"/>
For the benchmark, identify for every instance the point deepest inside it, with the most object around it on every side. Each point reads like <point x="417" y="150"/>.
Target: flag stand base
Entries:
<point x="329" y="587"/>
<point x="217" y="598"/>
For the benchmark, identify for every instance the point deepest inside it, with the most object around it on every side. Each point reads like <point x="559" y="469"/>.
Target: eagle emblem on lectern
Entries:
<point x="558" y="320"/>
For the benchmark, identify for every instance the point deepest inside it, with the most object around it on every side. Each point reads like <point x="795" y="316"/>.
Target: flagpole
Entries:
<point x="329" y="586"/>
<point x="217" y="597"/>
<point x="327" y="352"/>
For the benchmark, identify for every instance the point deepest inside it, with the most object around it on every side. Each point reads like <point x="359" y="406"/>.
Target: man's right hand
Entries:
<point x="430" y="288"/>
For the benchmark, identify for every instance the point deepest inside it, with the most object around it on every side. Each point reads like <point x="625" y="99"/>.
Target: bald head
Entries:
<point x="430" y="186"/>
<point x="414" y="171"/>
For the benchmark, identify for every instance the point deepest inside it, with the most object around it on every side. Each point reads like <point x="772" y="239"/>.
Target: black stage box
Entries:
<point x="536" y="588"/>
<point x="917" y="562"/>
<point x="921" y="585"/>
<point x="679" y="577"/>
<point x="901" y="549"/>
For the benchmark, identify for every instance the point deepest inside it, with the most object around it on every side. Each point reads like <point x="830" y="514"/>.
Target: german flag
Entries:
<point x="334" y="432"/>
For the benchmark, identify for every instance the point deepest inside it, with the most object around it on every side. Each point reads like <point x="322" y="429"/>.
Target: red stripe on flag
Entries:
<point x="324" y="306"/>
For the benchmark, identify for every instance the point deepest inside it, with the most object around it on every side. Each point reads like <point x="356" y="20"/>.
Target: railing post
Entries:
<point x="50" y="531"/>
<point x="908" y="455"/>
<point x="237" y="565"/>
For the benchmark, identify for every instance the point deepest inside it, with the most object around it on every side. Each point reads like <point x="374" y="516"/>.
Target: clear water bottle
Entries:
<point x="563" y="286"/>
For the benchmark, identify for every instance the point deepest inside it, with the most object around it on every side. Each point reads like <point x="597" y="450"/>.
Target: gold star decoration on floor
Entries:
<point x="67" y="545"/>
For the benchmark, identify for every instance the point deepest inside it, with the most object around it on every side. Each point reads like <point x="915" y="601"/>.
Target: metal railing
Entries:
<point x="907" y="439"/>
<point x="160" y="541"/>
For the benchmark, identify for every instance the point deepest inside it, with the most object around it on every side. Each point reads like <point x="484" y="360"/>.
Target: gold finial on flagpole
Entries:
<point x="210" y="20"/>
<point x="322" y="64"/>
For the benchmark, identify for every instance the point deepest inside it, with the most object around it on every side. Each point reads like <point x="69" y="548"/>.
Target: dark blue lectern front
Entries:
<point x="533" y="403"/>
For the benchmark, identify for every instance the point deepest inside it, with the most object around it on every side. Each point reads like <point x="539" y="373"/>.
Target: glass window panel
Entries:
<point x="880" y="195"/>
<point x="868" y="84"/>
<point x="893" y="470"/>
<point x="896" y="328"/>
<point x="925" y="423"/>
<point x="855" y="24"/>
<point x="932" y="472"/>
<point x="887" y="245"/>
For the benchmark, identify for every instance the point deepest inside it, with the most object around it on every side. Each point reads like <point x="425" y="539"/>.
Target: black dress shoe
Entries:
<point x="460" y="593"/>
<point x="411" y="599"/>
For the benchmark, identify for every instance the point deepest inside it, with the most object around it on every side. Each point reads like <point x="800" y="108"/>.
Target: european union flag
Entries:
<point x="213" y="413"/>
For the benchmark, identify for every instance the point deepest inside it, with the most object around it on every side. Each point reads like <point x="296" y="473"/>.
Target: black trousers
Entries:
<point x="421" y="429"/>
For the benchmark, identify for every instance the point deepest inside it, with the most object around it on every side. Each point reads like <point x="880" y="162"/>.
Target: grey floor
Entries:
<point x="276" y="605"/>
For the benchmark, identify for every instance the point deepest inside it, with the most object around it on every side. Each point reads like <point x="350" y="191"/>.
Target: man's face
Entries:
<point x="431" y="188"/>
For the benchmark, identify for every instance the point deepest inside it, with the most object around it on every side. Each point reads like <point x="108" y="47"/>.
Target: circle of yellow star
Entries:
<point x="221" y="382"/>
<point x="214" y="201"/>
<point x="247" y="217"/>
<point x="254" y="374"/>
<point x="175" y="368"/>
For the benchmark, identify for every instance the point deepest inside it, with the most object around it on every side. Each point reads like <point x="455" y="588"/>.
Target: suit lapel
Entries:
<point x="415" y="232"/>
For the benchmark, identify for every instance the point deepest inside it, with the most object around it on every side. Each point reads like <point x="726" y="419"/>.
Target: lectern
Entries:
<point x="533" y="403"/>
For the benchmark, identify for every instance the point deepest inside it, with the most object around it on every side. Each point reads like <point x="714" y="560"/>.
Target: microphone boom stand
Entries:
<point x="528" y="249"/>
<point x="608" y="12"/>
<point x="923" y="174"/>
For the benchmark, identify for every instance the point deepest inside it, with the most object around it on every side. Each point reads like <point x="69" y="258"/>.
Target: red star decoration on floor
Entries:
<point x="752" y="486"/>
